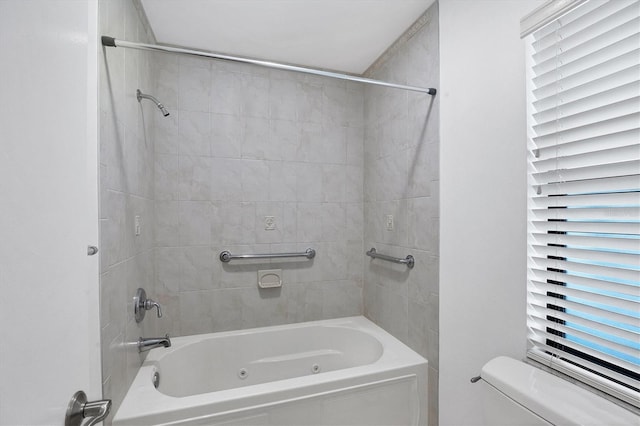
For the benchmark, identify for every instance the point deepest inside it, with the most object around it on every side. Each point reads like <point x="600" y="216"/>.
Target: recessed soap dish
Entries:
<point x="270" y="278"/>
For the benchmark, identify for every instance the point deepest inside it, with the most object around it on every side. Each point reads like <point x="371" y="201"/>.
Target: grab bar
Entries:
<point x="409" y="260"/>
<point x="226" y="256"/>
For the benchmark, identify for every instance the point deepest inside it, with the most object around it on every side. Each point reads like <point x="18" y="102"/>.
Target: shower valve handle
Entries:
<point x="141" y="305"/>
<point x="149" y="304"/>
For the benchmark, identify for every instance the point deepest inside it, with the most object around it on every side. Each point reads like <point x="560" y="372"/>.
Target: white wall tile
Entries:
<point x="226" y="89"/>
<point x="333" y="221"/>
<point x="309" y="102"/>
<point x="255" y="180"/>
<point x="309" y="222"/>
<point x="282" y="99"/>
<point x="167" y="71"/>
<point x="199" y="269"/>
<point x="194" y="227"/>
<point x="255" y="96"/>
<point x="284" y="136"/>
<point x="275" y="210"/>
<point x="194" y="86"/>
<point x="334" y="105"/>
<point x="165" y="137"/>
<point x="194" y="133"/>
<point x="283" y="180"/>
<point x="334" y="182"/>
<point x="226" y="179"/>
<point x="309" y="182"/>
<point x="227" y="134"/>
<point x="167" y="219"/>
<point x="166" y="177"/>
<point x="256" y="142"/>
<point x="194" y="178"/>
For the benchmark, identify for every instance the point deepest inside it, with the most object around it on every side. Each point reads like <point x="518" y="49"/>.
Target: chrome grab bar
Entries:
<point x="409" y="260"/>
<point x="226" y="256"/>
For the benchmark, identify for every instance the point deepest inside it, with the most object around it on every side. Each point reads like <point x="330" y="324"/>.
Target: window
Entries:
<point x="584" y="197"/>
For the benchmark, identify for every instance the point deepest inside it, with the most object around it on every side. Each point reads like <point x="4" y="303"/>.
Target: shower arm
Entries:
<point x="140" y="96"/>
<point x="113" y="42"/>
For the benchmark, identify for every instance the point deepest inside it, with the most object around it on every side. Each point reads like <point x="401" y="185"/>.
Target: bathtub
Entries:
<point x="345" y="371"/>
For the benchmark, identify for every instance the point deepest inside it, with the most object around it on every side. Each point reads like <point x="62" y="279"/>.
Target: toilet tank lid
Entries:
<point x="552" y="398"/>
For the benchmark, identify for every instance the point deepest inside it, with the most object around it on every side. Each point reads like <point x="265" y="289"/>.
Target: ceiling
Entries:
<point x="340" y="35"/>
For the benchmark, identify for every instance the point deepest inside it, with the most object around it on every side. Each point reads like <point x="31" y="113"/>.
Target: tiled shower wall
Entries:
<point x="243" y="143"/>
<point x="126" y="191"/>
<point x="401" y="179"/>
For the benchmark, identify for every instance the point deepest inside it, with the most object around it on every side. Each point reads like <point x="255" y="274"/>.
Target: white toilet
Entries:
<point x="516" y="393"/>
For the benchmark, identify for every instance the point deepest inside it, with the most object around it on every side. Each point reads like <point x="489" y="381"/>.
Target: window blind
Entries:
<point x="584" y="202"/>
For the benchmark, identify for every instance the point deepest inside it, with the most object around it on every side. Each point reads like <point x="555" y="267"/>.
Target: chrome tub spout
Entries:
<point x="153" y="342"/>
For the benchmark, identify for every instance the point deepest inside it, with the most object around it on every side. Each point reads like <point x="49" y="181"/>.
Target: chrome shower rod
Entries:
<point x="113" y="42"/>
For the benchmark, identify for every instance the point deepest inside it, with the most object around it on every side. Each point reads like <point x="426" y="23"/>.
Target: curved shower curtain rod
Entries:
<point x="113" y="42"/>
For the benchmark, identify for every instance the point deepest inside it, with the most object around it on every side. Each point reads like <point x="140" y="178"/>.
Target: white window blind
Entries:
<point x="584" y="203"/>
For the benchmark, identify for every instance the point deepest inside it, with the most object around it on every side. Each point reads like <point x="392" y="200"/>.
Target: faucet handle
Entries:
<point x="149" y="304"/>
<point x="141" y="304"/>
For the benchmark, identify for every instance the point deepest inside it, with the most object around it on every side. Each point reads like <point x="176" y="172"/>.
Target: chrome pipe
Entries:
<point x="409" y="260"/>
<point x="226" y="256"/>
<point x="113" y="42"/>
<point x="140" y="96"/>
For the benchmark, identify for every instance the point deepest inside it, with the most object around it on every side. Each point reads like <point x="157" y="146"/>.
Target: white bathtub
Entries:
<point x="345" y="371"/>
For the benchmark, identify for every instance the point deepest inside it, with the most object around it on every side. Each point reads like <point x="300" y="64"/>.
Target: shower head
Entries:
<point x="163" y="110"/>
<point x="140" y="96"/>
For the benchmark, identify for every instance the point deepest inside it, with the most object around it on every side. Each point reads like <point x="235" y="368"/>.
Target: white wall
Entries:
<point x="49" y="321"/>
<point x="483" y="196"/>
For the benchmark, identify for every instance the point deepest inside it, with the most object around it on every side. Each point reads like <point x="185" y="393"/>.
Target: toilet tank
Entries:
<point x="500" y="410"/>
<point x="516" y="393"/>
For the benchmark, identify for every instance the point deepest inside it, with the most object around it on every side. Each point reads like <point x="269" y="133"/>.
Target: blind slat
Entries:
<point x="605" y="170"/>
<point x="579" y="54"/>
<point x="602" y="112"/>
<point x="566" y="20"/>
<point x="607" y="82"/>
<point x="604" y="156"/>
<point x="590" y="102"/>
<point x="611" y="140"/>
<point x="618" y="339"/>
<point x="589" y="253"/>
<point x="581" y="18"/>
<point x="596" y="128"/>
<point x="604" y="242"/>
<point x="608" y="356"/>
<point x="619" y="214"/>
<point x="543" y="275"/>
<point x="621" y="199"/>
<point x="622" y="393"/>
<point x="590" y="270"/>
<point x="541" y="299"/>
<point x="584" y="187"/>
<point x="541" y="340"/>
<point x="586" y="296"/>
<point x="588" y="227"/>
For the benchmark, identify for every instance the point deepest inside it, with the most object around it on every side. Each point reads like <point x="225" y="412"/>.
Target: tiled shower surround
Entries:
<point x="401" y="178"/>
<point x="327" y="159"/>
<point x="242" y="144"/>
<point x="126" y="191"/>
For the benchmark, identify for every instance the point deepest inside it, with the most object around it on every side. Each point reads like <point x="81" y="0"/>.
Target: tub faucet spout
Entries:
<point x="145" y="344"/>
